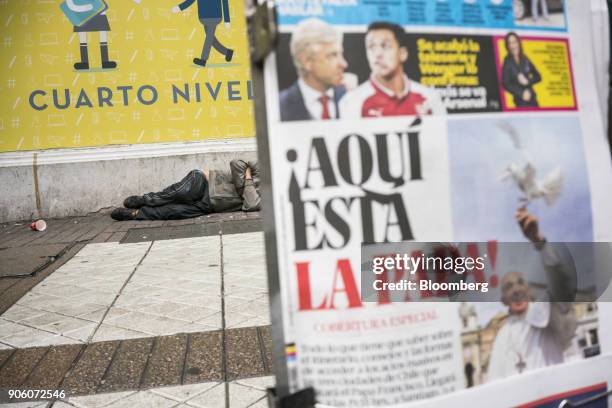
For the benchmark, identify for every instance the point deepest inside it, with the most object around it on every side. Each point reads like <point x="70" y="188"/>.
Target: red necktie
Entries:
<point x="324" y="99"/>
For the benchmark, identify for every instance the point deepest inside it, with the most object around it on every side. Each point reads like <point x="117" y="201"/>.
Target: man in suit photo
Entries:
<point x="316" y="49"/>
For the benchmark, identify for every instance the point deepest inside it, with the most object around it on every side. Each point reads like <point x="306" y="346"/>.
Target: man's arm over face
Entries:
<point x="242" y="177"/>
<point x="251" y="201"/>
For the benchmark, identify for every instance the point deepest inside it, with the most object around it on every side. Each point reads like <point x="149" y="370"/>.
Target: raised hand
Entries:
<point x="529" y="225"/>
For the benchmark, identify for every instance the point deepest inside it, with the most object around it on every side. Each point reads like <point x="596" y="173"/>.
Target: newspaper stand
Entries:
<point x="301" y="399"/>
<point x="585" y="403"/>
<point x="263" y="33"/>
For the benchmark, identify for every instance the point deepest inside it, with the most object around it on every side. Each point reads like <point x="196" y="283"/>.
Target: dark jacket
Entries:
<point x="510" y="72"/>
<point x="230" y="191"/>
<point x="292" y="105"/>
<point x="210" y="8"/>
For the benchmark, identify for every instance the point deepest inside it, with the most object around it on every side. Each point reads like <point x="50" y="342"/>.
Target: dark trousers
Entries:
<point x="210" y="26"/>
<point x="186" y="199"/>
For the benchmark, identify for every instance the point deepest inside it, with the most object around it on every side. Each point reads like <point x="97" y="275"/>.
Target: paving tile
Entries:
<point x="6" y="283"/>
<point x="16" y="370"/>
<point x="60" y="404"/>
<point x="116" y="311"/>
<point x="215" y="397"/>
<point x="33" y="337"/>
<point x="169" y="294"/>
<point x="96" y="297"/>
<point x="151" y="286"/>
<point x="259" y="383"/>
<point x="70" y="324"/>
<point x="204" y="358"/>
<point x="212" y="300"/>
<point x="262" y="403"/>
<point x="17" y="313"/>
<point x="244" y="357"/>
<point x="9" y="329"/>
<point x="183" y="393"/>
<point x="4" y="356"/>
<point x="41" y="320"/>
<point x="160" y="296"/>
<point x="68" y="307"/>
<point x="235" y="320"/>
<point x="242" y="226"/>
<point x="143" y="399"/>
<point x="117" y="236"/>
<point x="173" y="232"/>
<point x="166" y="362"/>
<point x="102" y="237"/>
<point x="265" y="334"/>
<point x="95" y="316"/>
<point x="82" y="334"/>
<point x="238" y="321"/>
<point x="100" y="400"/>
<point x="245" y="281"/>
<point x="125" y="371"/>
<point x="192" y="314"/>
<point x="156" y="325"/>
<point x="57" y="289"/>
<point x="212" y="398"/>
<point x="71" y="292"/>
<point x="107" y="332"/>
<point x="169" y="300"/>
<point x="50" y="371"/>
<point x="29" y="404"/>
<point x="212" y="321"/>
<point x="133" y="304"/>
<point x="90" y="368"/>
<point x="241" y="396"/>
<point x="16" y="291"/>
<point x="101" y="223"/>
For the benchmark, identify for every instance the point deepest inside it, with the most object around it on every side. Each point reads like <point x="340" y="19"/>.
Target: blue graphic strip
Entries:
<point x="508" y="14"/>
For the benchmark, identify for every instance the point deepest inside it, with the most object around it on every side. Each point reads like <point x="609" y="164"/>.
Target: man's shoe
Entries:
<point x="123" y="214"/>
<point x="134" y="202"/>
<point x="109" y="64"/>
<point x="199" y="62"/>
<point x="81" y="65"/>
<point x="228" y="55"/>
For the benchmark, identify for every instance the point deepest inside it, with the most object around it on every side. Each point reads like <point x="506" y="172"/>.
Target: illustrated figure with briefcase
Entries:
<point x="88" y="16"/>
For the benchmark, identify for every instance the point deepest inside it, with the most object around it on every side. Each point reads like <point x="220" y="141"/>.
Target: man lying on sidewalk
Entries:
<point x="200" y="192"/>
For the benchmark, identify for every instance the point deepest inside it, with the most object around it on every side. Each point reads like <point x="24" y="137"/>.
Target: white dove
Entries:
<point x="524" y="173"/>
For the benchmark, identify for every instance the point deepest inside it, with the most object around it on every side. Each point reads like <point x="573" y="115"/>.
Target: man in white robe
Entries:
<point x="536" y="333"/>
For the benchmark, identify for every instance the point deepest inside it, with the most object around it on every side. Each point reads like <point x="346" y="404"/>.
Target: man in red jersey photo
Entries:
<point x="388" y="91"/>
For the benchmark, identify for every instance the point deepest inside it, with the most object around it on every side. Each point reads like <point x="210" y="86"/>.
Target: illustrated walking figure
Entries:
<point x="210" y="13"/>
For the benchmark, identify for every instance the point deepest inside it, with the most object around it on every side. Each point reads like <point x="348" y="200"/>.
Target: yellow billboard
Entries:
<point x="80" y="73"/>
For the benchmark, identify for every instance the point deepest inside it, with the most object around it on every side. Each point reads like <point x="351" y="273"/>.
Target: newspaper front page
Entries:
<point x="430" y="121"/>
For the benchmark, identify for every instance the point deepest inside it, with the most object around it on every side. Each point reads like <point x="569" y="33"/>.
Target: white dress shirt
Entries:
<point x="313" y="104"/>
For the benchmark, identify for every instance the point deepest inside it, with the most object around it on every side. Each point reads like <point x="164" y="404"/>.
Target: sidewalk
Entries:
<point x="159" y="313"/>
